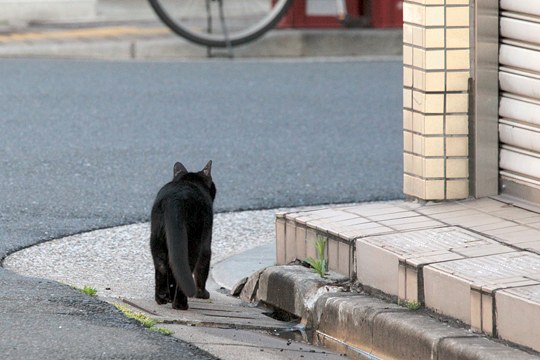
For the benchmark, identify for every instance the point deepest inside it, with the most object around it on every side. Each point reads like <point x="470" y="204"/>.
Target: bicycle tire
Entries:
<point x="244" y="31"/>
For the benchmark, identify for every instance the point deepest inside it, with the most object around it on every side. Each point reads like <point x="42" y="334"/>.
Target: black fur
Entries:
<point x="181" y="236"/>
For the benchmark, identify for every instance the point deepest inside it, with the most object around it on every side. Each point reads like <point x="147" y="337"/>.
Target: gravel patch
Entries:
<point x="117" y="261"/>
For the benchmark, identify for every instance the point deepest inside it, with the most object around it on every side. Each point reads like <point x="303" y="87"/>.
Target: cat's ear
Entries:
<point x="207" y="171"/>
<point x="179" y="170"/>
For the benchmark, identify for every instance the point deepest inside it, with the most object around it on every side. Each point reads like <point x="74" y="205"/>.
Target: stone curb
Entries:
<point x="368" y="324"/>
<point x="275" y="44"/>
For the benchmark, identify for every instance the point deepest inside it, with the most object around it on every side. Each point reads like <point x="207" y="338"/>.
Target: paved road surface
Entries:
<point x="86" y="145"/>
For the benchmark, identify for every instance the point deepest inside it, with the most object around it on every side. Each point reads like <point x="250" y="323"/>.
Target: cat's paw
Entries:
<point x="162" y="299"/>
<point x="202" y="294"/>
<point x="180" y="305"/>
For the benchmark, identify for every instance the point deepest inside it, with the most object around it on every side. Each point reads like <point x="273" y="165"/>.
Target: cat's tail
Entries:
<point x="177" y="245"/>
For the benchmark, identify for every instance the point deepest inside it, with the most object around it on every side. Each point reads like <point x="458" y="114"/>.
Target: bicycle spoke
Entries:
<point x="228" y="44"/>
<point x="208" y="17"/>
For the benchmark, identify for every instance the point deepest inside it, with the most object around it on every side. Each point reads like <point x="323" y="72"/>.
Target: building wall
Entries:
<point x="14" y="11"/>
<point x="437" y="68"/>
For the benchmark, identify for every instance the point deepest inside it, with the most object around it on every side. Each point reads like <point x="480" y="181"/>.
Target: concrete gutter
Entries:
<point x="141" y="42"/>
<point x="363" y="325"/>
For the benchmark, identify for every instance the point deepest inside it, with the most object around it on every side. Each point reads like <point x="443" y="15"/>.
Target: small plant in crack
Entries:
<point x="161" y="330"/>
<point x="141" y="318"/>
<point x="90" y="291"/>
<point x="144" y="320"/>
<point x="412" y="305"/>
<point x="320" y="264"/>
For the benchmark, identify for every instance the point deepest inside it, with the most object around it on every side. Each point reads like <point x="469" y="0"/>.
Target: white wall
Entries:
<point x="46" y="10"/>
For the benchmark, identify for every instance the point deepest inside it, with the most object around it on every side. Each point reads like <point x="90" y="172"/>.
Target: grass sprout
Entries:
<point x="141" y="318"/>
<point x="90" y="291"/>
<point x="320" y="264"/>
<point x="144" y="320"/>
<point x="412" y="305"/>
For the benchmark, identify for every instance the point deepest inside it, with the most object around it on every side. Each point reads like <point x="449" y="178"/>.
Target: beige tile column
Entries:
<point x="436" y="58"/>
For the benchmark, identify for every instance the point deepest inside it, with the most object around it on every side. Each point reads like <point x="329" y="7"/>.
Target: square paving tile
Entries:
<point x="484" y="204"/>
<point x="473" y="282"/>
<point x="438" y="208"/>
<point x="513" y="213"/>
<point x="376" y="209"/>
<point x="518" y="315"/>
<point x="413" y="250"/>
<point x="524" y="236"/>
<point x="448" y="217"/>
<point x="474" y="220"/>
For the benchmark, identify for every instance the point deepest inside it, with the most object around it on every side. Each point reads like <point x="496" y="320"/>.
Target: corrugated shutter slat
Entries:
<point x="525" y="7"/>
<point x="515" y="29"/>
<point x="519" y="107"/>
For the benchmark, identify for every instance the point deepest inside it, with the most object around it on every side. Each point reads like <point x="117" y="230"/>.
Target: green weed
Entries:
<point x="161" y="330"/>
<point x="320" y="265"/>
<point x="412" y="305"/>
<point x="90" y="291"/>
<point x="141" y="318"/>
<point x="144" y="320"/>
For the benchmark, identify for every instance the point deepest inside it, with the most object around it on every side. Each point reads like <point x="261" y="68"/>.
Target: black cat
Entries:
<point x="181" y="235"/>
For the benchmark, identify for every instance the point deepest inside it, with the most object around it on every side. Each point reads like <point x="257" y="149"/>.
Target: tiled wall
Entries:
<point x="436" y="57"/>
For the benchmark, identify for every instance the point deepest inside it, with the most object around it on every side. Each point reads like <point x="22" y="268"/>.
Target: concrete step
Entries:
<point x="476" y="261"/>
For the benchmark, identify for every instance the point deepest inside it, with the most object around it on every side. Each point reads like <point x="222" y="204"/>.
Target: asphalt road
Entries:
<point x="86" y="145"/>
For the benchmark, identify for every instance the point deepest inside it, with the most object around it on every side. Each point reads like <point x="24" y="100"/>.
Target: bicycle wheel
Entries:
<point x="220" y="23"/>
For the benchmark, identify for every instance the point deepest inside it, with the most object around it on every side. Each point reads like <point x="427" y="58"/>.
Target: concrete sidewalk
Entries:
<point x="128" y="29"/>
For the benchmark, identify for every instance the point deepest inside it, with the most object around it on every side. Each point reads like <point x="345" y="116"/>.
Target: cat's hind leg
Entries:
<point x="202" y="268"/>
<point x="171" y="286"/>
<point x="162" y="292"/>
<point x="162" y="295"/>
<point x="180" y="301"/>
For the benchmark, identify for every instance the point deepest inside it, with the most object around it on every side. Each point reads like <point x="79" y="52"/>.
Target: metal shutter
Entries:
<point x="519" y="107"/>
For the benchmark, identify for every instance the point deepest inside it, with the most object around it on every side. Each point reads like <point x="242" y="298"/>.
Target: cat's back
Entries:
<point x="186" y="194"/>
